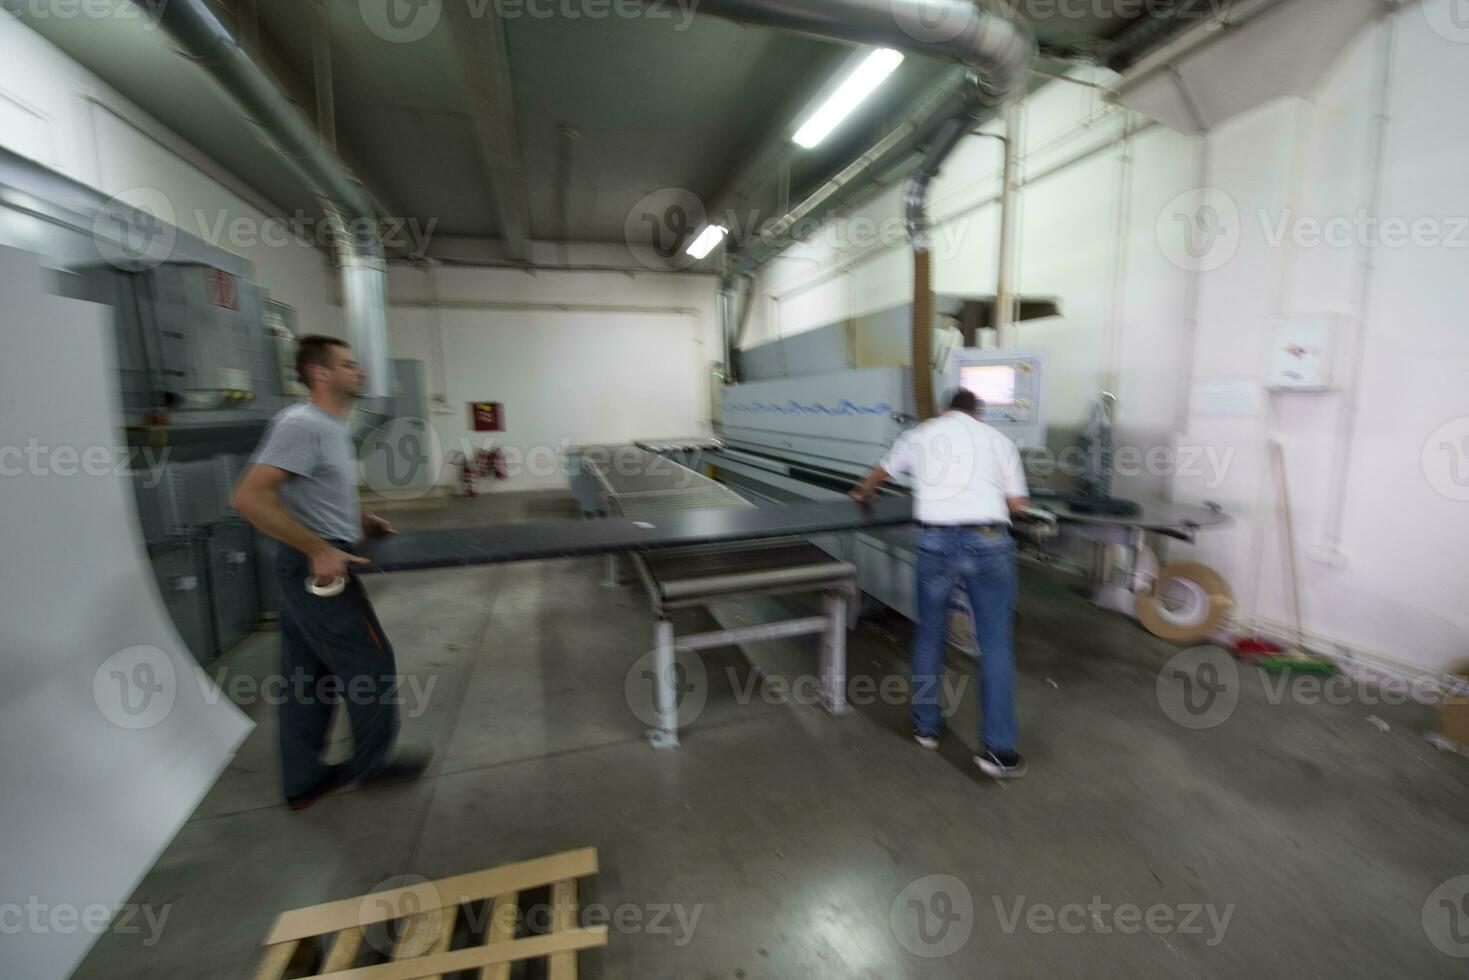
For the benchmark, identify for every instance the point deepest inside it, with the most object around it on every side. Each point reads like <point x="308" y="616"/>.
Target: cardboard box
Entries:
<point x="1453" y="717"/>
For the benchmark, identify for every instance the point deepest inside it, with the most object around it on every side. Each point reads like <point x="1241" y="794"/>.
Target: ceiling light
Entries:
<point x="849" y="95"/>
<point x="711" y="235"/>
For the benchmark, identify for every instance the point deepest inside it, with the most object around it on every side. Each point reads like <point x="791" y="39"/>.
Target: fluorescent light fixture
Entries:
<point x="711" y="235"/>
<point x="849" y="95"/>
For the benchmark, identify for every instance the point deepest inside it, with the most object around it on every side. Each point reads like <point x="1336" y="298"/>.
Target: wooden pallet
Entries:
<point x="423" y="917"/>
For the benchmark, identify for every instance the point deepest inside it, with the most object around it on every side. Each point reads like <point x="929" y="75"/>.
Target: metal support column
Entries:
<point x="665" y="688"/>
<point x="834" y="654"/>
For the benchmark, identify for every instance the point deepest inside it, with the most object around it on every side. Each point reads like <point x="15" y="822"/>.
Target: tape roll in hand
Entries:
<point x="334" y="587"/>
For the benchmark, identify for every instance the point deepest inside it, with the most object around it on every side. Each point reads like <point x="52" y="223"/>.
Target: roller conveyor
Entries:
<point x="696" y="573"/>
<point x="644" y="487"/>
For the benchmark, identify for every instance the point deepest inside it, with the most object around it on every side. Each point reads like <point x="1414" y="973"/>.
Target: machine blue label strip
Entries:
<point x="796" y="408"/>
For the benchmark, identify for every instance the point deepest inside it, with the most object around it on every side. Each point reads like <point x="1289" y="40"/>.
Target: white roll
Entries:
<point x="334" y="587"/>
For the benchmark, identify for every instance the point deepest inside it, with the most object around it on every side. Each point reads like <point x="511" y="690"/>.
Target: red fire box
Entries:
<point x="487" y="416"/>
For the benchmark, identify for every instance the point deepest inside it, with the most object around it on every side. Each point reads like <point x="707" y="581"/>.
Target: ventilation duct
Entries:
<point x="956" y="30"/>
<point x="995" y="53"/>
<point x="200" y="35"/>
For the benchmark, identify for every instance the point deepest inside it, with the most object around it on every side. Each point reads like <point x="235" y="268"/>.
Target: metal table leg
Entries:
<point x="665" y="690"/>
<point x="834" y="654"/>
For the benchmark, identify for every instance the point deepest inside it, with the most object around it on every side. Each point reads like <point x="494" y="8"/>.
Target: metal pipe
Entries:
<point x="726" y="323"/>
<point x="206" y="41"/>
<point x="1005" y="313"/>
<point x="917" y="131"/>
<point x="1366" y="271"/>
<point x="896" y="147"/>
<point x="998" y="50"/>
<point x="957" y="30"/>
<point x="1024" y="180"/>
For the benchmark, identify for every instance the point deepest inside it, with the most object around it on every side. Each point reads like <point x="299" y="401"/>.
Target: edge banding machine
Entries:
<point x="763" y="510"/>
<point x="812" y="436"/>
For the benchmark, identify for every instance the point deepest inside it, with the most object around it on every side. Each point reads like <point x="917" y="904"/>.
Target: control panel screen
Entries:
<point x="993" y="384"/>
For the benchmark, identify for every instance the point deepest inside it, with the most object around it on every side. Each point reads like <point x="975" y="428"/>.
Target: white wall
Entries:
<point x="1387" y="575"/>
<point x="575" y="357"/>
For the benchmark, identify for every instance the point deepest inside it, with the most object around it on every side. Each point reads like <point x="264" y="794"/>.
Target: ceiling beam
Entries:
<point x="321" y="68"/>
<point x="484" y="68"/>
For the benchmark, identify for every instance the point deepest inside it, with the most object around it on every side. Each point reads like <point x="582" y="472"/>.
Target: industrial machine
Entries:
<point x="1008" y="385"/>
<point x="812" y="417"/>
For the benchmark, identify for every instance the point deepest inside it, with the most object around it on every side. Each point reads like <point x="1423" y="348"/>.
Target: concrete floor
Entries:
<point x="799" y="839"/>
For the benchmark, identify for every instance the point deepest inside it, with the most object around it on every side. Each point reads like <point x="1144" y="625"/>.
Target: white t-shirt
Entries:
<point x="960" y="469"/>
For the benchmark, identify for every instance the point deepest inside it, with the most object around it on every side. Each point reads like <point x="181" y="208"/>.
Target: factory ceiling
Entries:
<point x="511" y="121"/>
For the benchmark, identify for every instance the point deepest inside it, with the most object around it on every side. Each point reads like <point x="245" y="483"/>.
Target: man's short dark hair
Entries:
<point x="964" y="400"/>
<point x="315" y="349"/>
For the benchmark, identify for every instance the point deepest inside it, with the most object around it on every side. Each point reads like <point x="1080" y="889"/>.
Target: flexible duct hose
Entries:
<point x="922" y="355"/>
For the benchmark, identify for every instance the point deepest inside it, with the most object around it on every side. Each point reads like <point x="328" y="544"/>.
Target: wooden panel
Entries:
<point x="277" y="958"/>
<point x="441" y="941"/>
<point x="563" y="918"/>
<point x="473" y="956"/>
<point x="344" y="950"/>
<point x="501" y="930"/>
<point x="358" y="912"/>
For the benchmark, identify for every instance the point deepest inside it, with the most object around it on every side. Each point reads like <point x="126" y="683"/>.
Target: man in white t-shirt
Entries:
<point x="967" y="479"/>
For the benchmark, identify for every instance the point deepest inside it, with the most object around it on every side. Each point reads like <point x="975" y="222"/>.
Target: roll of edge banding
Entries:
<point x="334" y="587"/>
<point x="1205" y="601"/>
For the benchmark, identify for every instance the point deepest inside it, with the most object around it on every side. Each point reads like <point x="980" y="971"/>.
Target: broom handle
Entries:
<point x="1290" y="537"/>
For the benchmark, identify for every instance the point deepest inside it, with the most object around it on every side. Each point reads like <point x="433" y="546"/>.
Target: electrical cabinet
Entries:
<point x="179" y="567"/>
<point x="233" y="589"/>
<point x="212" y="348"/>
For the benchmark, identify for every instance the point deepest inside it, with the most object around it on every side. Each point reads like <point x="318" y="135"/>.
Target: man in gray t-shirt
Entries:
<point x="315" y="448"/>
<point x="301" y="489"/>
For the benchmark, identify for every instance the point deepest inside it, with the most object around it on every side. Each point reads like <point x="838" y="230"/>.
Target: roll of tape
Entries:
<point x="334" y="587"/>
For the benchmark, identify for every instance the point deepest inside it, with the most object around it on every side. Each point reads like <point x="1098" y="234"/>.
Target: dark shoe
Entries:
<point x="1000" y="765"/>
<point x="335" y="778"/>
<point x="404" y="767"/>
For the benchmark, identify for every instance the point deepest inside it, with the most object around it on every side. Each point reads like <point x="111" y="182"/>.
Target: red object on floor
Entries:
<point x="1251" y="646"/>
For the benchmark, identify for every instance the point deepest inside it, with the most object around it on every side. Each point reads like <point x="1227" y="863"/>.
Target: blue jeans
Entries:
<point x="983" y="563"/>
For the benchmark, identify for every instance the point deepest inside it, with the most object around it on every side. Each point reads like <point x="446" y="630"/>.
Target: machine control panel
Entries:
<point x="1008" y="383"/>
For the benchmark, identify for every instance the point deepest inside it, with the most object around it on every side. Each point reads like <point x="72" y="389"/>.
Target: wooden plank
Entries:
<point x="439" y="942"/>
<point x="563" y="917"/>
<point x="501" y="930"/>
<point x="418" y="934"/>
<point x="277" y="958"/>
<point x="358" y="912"/>
<point x="475" y="956"/>
<point x="344" y="950"/>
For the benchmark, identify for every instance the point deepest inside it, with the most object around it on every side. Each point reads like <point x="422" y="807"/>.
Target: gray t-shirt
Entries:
<point x="315" y="447"/>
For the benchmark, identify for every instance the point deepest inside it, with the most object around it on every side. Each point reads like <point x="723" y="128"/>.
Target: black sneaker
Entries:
<point x="1000" y="765"/>
<point x="404" y="767"/>
<point x="335" y="778"/>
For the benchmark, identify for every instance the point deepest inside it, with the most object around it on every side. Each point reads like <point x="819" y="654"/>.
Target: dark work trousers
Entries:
<point x="332" y="650"/>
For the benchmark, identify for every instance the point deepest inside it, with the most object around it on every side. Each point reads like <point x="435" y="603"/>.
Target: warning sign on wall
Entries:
<point x="487" y="416"/>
